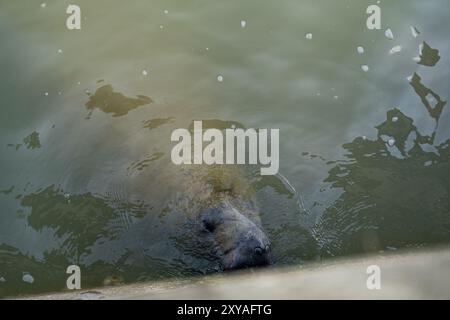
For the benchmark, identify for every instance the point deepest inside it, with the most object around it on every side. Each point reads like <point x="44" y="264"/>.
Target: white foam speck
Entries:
<point x="166" y="11"/>
<point x="365" y="68"/>
<point x="2" y="279"/>
<point x="43" y="5"/>
<point x="391" y="142"/>
<point x="46" y="94"/>
<point x="60" y="51"/>
<point x="28" y="278"/>
<point x="395" y="49"/>
<point x="360" y="50"/>
<point x="336" y="97"/>
<point x="144" y="73"/>
<point x="243" y="23"/>
<point x="388" y="33"/>
<point x="409" y="78"/>
<point x="414" y="31"/>
<point x="308" y="36"/>
<point x="220" y="78"/>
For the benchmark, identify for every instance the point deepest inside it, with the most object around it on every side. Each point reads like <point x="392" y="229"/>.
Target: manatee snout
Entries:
<point x="240" y="242"/>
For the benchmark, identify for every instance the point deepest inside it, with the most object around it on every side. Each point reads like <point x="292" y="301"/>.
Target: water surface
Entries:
<point x="86" y="118"/>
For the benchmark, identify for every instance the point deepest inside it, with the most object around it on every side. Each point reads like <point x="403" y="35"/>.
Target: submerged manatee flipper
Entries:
<point x="241" y="242"/>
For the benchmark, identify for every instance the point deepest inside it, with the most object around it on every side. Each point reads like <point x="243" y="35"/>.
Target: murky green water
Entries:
<point x="86" y="118"/>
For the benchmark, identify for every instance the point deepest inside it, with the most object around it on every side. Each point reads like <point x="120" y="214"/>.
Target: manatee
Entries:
<point x="221" y="201"/>
<point x="103" y="193"/>
<point x="225" y="217"/>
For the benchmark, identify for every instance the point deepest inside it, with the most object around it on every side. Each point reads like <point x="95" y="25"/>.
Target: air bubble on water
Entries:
<point x="59" y="93"/>
<point x="391" y="142"/>
<point x="28" y="278"/>
<point x="60" y="51"/>
<point x="336" y="97"/>
<point x="161" y="27"/>
<point x="43" y="5"/>
<point x="360" y="50"/>
<point x="46" y="94"/>
<point x="2" y="279"/>
<point x="243" y="23"/>
<point x="394" y="119"/>
<point x="395" y="49"/>
<point x="365" y="68"/>
<point x="308" y="36"/>
<point x="79" y="82"/>
<point x="388" y="33"/>
<point x="207" y="49"/>
<point x="414" y="31"/>
<point x="166" y="11"/>
<point x="144" y="73"/>
<point x="220" y="78"/>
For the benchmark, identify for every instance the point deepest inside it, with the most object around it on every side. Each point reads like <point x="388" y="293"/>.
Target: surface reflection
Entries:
<point x="395" y="188"/>
<point x="427" y="55"/>
<point x="110" y="101"/>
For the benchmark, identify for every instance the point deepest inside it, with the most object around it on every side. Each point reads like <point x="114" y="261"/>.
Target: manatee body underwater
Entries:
<point x="108" y="198"/>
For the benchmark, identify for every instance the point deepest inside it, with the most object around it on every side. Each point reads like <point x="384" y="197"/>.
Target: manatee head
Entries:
<point x="240" y="242"/>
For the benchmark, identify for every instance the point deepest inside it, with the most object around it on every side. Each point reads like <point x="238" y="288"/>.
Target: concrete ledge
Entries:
<point x="407" y="275"/>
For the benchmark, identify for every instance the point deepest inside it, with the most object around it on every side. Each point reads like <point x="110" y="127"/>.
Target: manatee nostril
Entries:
<point x="259" y="251"/>
<point x="209" y="226"/>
